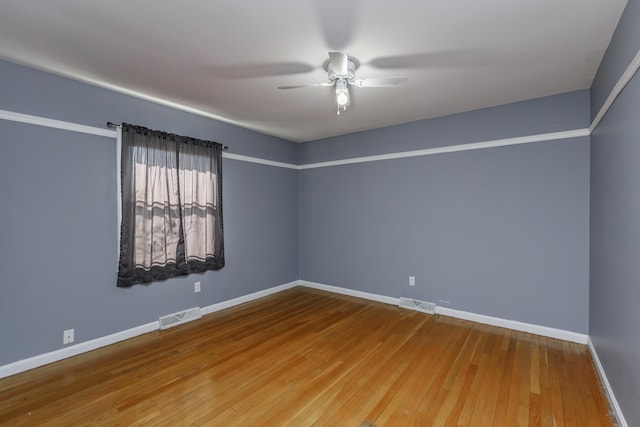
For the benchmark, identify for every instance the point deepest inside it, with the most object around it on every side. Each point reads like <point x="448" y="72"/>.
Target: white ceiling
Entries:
<point x="225" y="58"/>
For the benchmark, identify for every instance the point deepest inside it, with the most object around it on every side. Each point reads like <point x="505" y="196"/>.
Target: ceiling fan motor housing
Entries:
<point x="352" y="66"/>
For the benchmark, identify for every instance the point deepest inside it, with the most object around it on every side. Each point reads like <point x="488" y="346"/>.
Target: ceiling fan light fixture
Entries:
<point x="342" y="98"/>
<point x="342" y="93"/>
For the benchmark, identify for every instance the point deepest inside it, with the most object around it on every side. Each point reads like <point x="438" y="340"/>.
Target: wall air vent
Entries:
<point x="179" y="318"/>
<point x="414" y="304"/>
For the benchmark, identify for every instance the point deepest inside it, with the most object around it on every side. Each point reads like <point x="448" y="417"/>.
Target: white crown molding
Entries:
<point x="479" y="318"/>
<point x="607" y="386"/>
<point x="617" y="89"/>
<point x="57" y="124"/>
<point x="243" y="158"/>
<point x="113" y="133"/>
<point x="454" y="148"/>
<point x="75" y="127"/>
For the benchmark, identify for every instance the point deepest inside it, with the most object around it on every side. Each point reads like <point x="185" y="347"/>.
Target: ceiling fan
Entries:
<point x="341" y="70"/>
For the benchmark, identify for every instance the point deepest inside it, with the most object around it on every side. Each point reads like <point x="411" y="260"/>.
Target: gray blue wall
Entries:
<point x="500" y="231"/>
<point x="58" y="232"/>
<point x="614" y="317"/>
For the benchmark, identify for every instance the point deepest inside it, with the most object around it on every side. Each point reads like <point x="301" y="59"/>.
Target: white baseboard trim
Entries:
<point x="83" y="347"/>
<point x="246" y="298"/>
<point x="479" y="318"/>
<point x="603" y="377"/>
<point x="74" y="350"/>
<point x="545" y="331"/>
<point x="350" y="292"/>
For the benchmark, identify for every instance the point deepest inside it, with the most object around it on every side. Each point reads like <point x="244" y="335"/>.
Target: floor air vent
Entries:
<point x="414" y="304"/>
<point x="179" y="318"/>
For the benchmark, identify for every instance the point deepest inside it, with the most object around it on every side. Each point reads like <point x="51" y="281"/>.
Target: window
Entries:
<point x="171" y="206"/>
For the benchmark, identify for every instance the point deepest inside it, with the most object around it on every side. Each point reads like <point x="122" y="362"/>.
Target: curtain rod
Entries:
<point x="115" y="125"/>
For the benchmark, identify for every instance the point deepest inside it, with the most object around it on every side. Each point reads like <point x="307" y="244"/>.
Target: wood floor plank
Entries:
<point x="490" y="387"/>
<point x="305" y="357"/>
<point x="534" y="382"/>
<point x="546" y="414"/>
<point x="504" y="387"/>
<point x="474" y="401"/>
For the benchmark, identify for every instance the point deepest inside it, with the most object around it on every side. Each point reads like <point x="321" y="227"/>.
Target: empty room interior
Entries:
<point x="417" y="213"/>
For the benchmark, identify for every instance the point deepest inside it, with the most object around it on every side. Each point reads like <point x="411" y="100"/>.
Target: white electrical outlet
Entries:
<point x="196" y="287"/>
<point x="412" y="280"/>
<point x="67" y="336"/>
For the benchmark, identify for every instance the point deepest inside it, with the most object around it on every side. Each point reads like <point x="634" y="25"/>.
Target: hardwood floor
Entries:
<point x="305" y="357"/>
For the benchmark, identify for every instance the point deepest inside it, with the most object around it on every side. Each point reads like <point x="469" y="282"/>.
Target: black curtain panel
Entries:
<point x="171" y="206"/>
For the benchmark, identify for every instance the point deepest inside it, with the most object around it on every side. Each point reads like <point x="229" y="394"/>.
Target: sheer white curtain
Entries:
<point x="171" y="206"/>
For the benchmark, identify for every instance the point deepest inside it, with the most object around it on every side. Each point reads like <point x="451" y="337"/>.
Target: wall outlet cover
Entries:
<point x="68" y="336"/>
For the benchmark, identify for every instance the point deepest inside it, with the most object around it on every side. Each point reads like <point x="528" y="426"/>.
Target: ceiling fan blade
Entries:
<point x="444" y="59"/>
<point x="308" y="85"/>
<point x="380" y="82"/>
<point x="340" y="63"/>
<point x="249" y="71"/>
<point x="338" y="19"/>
